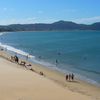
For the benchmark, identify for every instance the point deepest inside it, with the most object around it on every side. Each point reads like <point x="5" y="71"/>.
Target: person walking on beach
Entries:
<point x="69" y="76"/>
<point x="72" y="77"/>
<point x="16" y="59"/>
<point x="66" y="77"/>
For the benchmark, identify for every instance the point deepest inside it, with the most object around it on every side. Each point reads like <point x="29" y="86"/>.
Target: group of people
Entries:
<point x="15" y="58"/>
<point x="70" y="77"/>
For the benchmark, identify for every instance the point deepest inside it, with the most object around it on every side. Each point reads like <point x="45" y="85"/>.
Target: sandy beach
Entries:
<point x="19" y="83"/>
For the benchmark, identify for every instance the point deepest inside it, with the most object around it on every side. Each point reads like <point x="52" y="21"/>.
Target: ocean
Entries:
<point x="75" y="52"/>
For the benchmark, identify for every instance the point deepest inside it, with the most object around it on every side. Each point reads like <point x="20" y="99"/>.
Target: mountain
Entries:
<point x="56" y="26"/>
<point x="95" y="26"/>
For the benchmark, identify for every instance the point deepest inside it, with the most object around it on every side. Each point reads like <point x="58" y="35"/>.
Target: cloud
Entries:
<point x="29" y="20"/>
<point x="18" y="21"/>
<point x="88" y="20"/>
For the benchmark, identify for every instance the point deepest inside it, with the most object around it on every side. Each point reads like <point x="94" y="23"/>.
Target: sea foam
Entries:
<point x="2" y="33"/>
<point x="14" y="50"/>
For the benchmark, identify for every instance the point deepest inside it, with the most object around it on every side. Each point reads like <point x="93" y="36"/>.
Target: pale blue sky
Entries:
<point x="48" y="11"/>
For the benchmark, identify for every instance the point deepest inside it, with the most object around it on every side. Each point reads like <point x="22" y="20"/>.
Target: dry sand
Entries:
<point x="18" y="83"/>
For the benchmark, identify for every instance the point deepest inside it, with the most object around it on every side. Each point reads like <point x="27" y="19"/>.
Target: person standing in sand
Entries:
<point x="16" y="59"/>
<point x="69" y="76"/>
<point x="72" y="77"/>
<point x="66" y="77"/>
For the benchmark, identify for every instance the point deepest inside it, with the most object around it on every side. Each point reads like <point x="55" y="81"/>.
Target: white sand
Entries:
<point x="17" y="83"/>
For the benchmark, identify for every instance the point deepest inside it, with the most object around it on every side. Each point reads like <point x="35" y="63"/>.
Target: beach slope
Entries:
<point x="18" y="83"/>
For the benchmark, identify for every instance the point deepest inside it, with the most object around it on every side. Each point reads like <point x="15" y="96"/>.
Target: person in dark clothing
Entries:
<point x="16" y="59"/>
<point x="69" y="77"/>
<point x="72" y="76"/>
<point x="66" y="77"/>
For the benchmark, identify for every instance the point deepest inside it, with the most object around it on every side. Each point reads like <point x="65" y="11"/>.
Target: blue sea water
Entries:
<point x="75" y="51"/>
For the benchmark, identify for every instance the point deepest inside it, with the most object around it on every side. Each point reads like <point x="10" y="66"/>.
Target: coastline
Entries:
<point x="57" y="77"/>
<point x="52" y="31"/>
<point x="11" y="51"/>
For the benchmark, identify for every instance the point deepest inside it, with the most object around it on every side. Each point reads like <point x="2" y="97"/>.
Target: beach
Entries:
<point x="20" y="83"/>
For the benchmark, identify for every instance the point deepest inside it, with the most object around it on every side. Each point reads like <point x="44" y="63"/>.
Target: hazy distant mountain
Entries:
<point x="56" y="26"/>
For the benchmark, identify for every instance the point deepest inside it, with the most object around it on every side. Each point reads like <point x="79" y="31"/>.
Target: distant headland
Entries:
<point x="56" y="26"/>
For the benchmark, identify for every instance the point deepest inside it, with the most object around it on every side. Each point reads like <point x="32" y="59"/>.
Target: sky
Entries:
<point x="49" y="11"/>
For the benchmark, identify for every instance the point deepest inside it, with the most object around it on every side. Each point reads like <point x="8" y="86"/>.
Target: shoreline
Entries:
<point x="77" y="86"/>
<point x="39" y="63"/>
<point x="79" y="77"/>
<point x="18" y="83"/>
<point x="52" y="31"/>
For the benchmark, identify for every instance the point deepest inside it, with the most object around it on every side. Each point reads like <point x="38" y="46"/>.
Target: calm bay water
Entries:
<point x="75" y="51"/>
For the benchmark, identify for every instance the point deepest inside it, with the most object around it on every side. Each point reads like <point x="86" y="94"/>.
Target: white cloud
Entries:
<point x="30" y="20"/>
<point x="88" y="20"/>
<point x="49" y="20"/>
<point x="18" y="21"/>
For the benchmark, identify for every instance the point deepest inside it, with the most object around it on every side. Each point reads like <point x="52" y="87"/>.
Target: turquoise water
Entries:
<point x="75" y="51"/>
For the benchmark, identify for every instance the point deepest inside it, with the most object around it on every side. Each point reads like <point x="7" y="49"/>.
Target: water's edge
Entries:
<point x="23" y="55"/>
